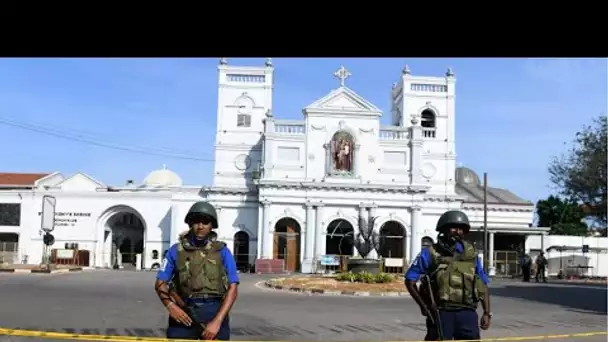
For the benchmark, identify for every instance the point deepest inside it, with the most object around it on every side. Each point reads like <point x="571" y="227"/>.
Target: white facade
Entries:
<point x="284" y="182"/>
<point x="567" y="253"/>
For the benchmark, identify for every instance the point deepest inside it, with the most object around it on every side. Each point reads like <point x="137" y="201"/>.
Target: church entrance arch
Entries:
<point x="392" y="240"/>
<point x="340" y="239"/>
<point x="124" y="238"/>
<point x="241" y="250"/>
<point x="287" y="243"/>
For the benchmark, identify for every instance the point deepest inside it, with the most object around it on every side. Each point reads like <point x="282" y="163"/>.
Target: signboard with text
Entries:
<point x="48" y="213"/>
<point x="68" y="219"/>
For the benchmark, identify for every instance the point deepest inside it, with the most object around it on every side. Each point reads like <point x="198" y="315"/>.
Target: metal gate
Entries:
<point x="506" y="263"/>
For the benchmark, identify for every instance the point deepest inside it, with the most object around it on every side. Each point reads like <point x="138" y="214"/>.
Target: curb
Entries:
<point x="271" y="284"/>
<point x="19" y="270"/>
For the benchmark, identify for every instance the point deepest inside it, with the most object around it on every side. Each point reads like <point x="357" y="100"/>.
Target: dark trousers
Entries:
<point x="204" y="311"/>
<point x="540" y="272"/>
<point x="525" y="270"/>
<point x="455" y="325"/>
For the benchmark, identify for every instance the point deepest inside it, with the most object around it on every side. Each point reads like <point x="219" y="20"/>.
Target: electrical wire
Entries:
<point x="86" y="140"/>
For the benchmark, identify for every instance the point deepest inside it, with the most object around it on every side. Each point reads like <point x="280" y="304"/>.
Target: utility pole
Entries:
<point x="485" y="223"/>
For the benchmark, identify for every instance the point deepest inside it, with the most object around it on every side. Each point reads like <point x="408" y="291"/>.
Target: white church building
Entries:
<point x="285" y="190"/>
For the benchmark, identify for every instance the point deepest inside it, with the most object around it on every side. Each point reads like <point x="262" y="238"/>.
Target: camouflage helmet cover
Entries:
<point x="453" y="218"/>
<point x="202" y="208"/>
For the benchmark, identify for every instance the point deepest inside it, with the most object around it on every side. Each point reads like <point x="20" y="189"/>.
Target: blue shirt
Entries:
<point x="423" y="262"/>
<point x="168" y="269"/>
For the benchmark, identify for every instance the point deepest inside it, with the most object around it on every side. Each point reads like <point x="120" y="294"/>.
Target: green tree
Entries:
<point x="564" y="217"/>
<point x="581" y="174"/>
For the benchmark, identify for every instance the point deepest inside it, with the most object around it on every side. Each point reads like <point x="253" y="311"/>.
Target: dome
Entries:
<point x="162" y="178"/>
<point x="466" y="176"/>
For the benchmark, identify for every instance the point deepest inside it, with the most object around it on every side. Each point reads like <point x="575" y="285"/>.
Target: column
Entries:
<point x="356" y="158"/>
<point x="542" y="242"/>
<point x="416" y="151"/>
<point x="260" y="232"/>
<point x="176" y="218"/>
<point x="415" y="240"/>
<point x="491" y="269"/>
<point x="309" y="238"/>
<point x="218" y="210"/>
<point x="99" y="247"/>
<point x="269" y="149"/>
<point x="265" y="237"/>
<point x="328" y="162"/>
<point x="320" y="233"/>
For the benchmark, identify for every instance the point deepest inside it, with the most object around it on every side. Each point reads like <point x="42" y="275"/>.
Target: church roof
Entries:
<point x="469" y="186"/>
<point x="162" y="178"/>
<point x="20" y="179"/>
<point x="343" y="99"/>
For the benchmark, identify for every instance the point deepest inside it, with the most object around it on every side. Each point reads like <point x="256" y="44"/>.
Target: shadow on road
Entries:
<point x="581" y="298"/>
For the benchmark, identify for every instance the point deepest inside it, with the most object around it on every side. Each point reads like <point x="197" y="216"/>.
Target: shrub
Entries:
<point x="365" y="277"/>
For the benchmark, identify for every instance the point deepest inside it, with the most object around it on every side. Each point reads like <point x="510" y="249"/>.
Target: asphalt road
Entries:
<point x="124" y="303"/>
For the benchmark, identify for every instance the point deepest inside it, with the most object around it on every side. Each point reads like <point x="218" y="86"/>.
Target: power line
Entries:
<point x="83" y="139"/>
<point x="89" y="136"/>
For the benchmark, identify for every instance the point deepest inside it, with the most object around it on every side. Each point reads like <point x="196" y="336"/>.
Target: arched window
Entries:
<point x="244" y="109"/>
<point x="428" y="119"/>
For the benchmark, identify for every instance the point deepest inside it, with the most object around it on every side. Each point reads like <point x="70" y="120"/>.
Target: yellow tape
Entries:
<point x="86" y="337"/>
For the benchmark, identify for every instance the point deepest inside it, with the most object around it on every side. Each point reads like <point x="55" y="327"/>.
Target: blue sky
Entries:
<point x="512" y="115"/>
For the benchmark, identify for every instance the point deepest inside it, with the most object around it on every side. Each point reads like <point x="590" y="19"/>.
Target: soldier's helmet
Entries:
<point x="453" y="218"/>
<point x="202" y="209"/>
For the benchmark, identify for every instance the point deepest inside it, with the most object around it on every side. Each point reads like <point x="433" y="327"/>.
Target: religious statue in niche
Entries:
<point x="342" y="152"/>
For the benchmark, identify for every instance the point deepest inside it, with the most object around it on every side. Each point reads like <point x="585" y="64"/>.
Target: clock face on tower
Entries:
<point x="242" y="162"/>
<point x="245" y="107"/>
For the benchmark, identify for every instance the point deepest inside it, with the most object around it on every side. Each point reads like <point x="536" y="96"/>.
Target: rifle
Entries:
<point x="178" y="300"/>
<point x="432" y="305"/>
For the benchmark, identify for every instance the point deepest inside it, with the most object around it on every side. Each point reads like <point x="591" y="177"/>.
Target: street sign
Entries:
<point x="48" y="213"/>
<point x="48" y="239"/>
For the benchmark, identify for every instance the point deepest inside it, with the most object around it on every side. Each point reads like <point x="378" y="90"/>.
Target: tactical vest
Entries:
<point x="201" y="272"/>
<point x="454" y="281"/>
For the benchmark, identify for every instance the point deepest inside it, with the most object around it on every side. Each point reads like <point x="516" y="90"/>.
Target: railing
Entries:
<point x="295" y="128"/>
<point x="428" y="132"/>
<point x="394" y="133"/>
<point x="328" y="264"/>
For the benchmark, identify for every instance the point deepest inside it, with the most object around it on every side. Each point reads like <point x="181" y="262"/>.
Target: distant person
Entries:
<point x="526" y="267"/>
<point x="541" y="266"/>
<point x="197" y="281"/>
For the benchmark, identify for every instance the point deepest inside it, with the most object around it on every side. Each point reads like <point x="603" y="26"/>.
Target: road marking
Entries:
<point x="87" y="337"/>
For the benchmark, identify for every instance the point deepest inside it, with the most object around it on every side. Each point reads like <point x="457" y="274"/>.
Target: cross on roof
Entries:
<point x="342" y="74"/>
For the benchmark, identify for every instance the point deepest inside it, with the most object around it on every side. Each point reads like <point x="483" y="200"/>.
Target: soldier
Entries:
<point x="453" y="283"/>
<point x="197" y="281"/>
<point x="541" y="265"/>
<point x="526" y="267"/>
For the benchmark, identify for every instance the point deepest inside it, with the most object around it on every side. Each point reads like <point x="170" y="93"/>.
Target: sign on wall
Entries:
<point x="68" y="219"/>
<point x="330" y="260"/>
<point x="48" y="213"/>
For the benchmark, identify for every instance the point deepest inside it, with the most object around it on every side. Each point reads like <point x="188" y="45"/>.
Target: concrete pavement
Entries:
<point x="124" y="303"/>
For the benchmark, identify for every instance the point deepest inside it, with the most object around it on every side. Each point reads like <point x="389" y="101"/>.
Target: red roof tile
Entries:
<point x="24" y="179"/>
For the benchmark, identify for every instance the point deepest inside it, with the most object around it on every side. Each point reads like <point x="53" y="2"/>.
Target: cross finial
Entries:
<point x="164" y="166"/>
<point x="342" y="74"/>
